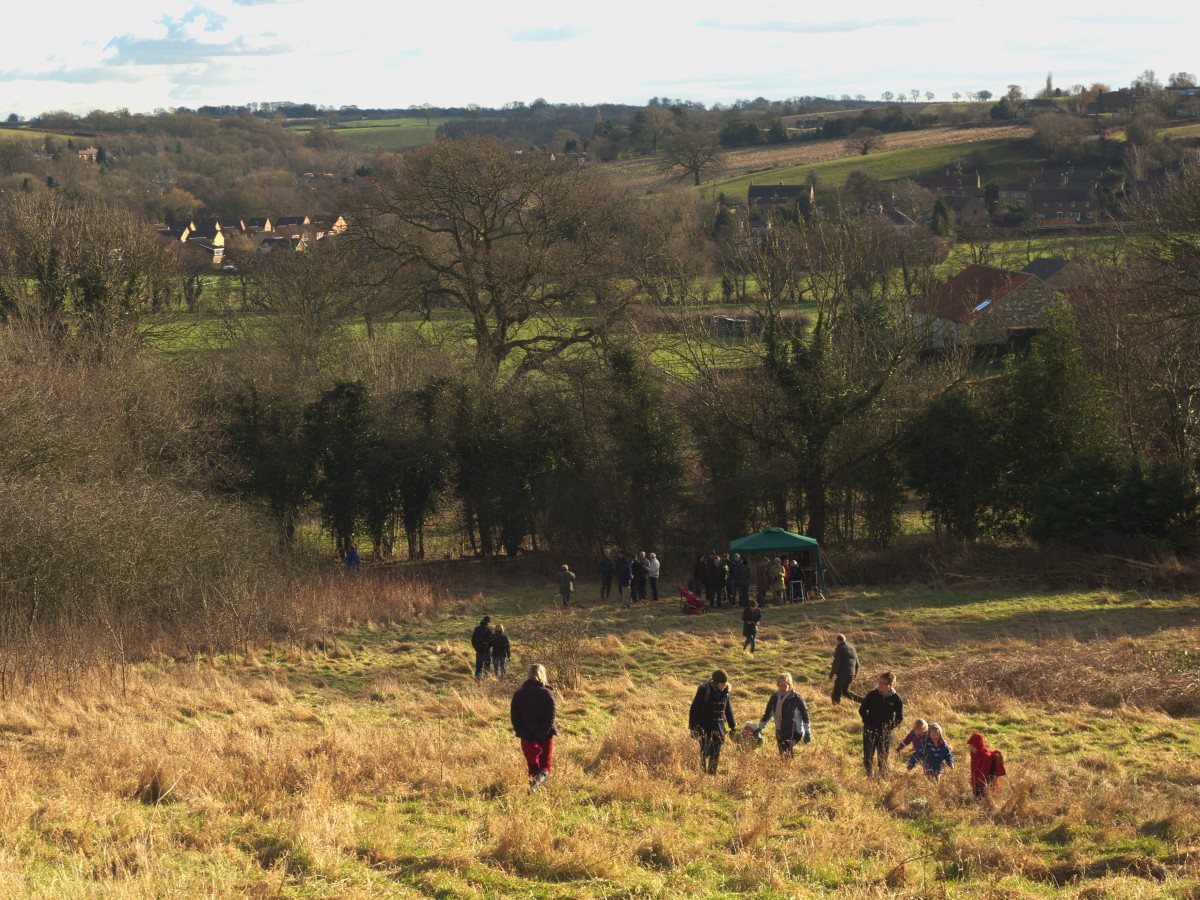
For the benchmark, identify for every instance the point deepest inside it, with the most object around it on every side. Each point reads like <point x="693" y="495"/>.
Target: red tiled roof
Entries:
<point x="960" y="298"/>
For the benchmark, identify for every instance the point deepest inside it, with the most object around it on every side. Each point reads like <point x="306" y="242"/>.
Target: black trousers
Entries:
<point x="841" y="688"/>
<point x="877" y="742"/>
<point x="605" y="586"/>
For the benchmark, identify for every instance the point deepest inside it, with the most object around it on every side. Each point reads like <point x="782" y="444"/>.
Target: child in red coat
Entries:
<point x="986" y="765"/>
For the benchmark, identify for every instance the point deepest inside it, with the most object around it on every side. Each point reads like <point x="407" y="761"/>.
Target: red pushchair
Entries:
<point x="690" y="603"/>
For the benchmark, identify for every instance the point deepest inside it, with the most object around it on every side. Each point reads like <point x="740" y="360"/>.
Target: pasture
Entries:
<point x="387" y="134"/>
<point x="365" y="762"/>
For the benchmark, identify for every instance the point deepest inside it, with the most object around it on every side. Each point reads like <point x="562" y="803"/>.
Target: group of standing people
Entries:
<point x="728" y="579"/>
<point x="636" y="576"/>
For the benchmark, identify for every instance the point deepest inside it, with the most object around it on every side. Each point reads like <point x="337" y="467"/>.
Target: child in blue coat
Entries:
<point x="933" y="754"/>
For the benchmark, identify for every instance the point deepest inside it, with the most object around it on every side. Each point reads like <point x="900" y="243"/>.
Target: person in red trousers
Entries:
<point x="533" y="720"/>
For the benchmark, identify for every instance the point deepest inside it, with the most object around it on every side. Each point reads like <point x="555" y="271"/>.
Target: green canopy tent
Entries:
<point x="779" y="541"/>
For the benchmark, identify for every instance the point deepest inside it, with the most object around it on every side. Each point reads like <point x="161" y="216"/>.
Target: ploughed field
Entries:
<point x="367" y="763"/>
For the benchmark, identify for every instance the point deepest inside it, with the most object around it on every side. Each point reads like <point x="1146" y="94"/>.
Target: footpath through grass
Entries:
<point x="369" y="764"/>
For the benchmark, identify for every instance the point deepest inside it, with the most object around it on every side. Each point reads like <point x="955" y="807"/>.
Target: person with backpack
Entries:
<point x="501" y="651"/>
<point x="790" y="714"/>
<point x="987" y="766"/>
<point x="751" y="616"/>
<point x="566" y="584"/>
<point x="481" y="642"/>
<point x="843" y="671"/>
<point x="708" y="717"/>
<point x="532" y="713"/>
<point x="881" y="711"/>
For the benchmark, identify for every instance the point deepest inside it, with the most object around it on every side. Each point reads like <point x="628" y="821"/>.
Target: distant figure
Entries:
<point x="352" y="560"/>
<point x="790" y="714"/>
<point x="481" y="641"/>
<point x="743" y="584"/>
<point x="762" y="579"/>
<point x="501" y="651"/>
<point x="751" y="616"/>
<point x="566" y="585"/>
<point x="986" y="766"/>
<point x="933" y="753"/>
<point x="843" y="671"/>
<point x="652" y="573"/>
<point x="533" y="719"/>
<point x="608" y="568"/>
<point x="624" y="580"/>
<point x="640" y="568"/>
<point x="777" y="577"/>
<point x="707" y="718"/>
<point x="881" y="711"/>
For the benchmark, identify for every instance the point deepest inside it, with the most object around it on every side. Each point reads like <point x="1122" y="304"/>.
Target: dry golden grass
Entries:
<point x="367" y="763"/>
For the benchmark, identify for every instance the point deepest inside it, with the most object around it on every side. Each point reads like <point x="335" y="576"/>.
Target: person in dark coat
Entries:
<point x="566" y="585"/>
<point x="532" y="713"/>
<point x="640" y="569"/>
<point x="751" y="616"/>
<point x="708" y="717"/>
<point x="843" y="671"/>
<point x="608" y="568"/>
<point x="501" y="651"/>
<point x="790" y="714"/>
<point x="624" y="579"/>
<point x="714" y="580"/>
<point x="881" y="711"/>
<point x="481" y="642"/>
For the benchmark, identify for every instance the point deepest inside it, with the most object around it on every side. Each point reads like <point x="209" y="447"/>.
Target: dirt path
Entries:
<point x="644" y="174"/>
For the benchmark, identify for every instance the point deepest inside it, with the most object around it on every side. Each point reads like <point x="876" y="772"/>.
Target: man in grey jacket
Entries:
<point x="843" y="671"/>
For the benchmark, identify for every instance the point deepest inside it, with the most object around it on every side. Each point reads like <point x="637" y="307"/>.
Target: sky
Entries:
<point x="148" y="54"/>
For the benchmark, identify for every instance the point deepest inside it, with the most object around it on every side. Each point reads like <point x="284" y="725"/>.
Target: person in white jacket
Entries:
<point x="652" y="575"/>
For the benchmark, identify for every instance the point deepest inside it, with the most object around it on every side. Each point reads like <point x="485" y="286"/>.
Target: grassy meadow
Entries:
<point x="365" y="762"/>
<point x="389" y="134"/>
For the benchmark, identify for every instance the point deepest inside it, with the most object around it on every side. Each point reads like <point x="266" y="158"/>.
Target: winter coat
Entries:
<point x="653" y="567"/>
<point x="532" y="712"/>
<point x="481" y="638"/>
<point x="751" y="616"/>
<point x="501" y="647"/>
<point x="777" y="577"/>
<point x="607" y="565"/>
<point x="735" y="573"/>
<point x="984" y="762"/>
<point x="566" y="582"/>
<point x="762" y="573"/>
<point x="932" y="757"/>
<point x="793" y="720"/>
<point x="880" y="713"/>
<point x="845" y="662"/>
<point x="914" y="740"/>
<point x="640" y="569"/>
<point x="624" y="574"/>
<point x="711" y="712"/>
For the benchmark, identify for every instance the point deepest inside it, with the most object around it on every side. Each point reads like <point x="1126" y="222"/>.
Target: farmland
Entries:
<point x="386" y="134"/>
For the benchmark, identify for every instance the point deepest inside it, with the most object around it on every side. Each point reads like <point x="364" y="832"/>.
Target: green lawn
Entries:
<point x="390" y="134"/>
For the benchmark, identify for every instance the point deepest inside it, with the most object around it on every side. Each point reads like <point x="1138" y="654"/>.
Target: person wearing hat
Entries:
<point x="708" y="717"/>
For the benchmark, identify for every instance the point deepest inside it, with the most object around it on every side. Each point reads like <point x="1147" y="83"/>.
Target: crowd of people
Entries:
<point x="711" y="718"/>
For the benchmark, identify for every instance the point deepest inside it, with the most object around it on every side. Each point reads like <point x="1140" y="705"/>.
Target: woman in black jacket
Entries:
<point x="533" y="720"/>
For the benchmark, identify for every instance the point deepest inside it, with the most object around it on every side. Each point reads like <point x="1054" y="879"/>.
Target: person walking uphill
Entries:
<point x="481" y="642"/>
<point x="533" y="719"/>
<point x="790" y="713"/>
<point x="708" y="717"/>
<point x="881" y="711"/>
<point x="843" y="671"/>
<point x="986" y="766"/>
<point x="566" y="585"/>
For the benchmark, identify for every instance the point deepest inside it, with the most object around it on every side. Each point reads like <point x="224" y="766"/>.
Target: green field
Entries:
<point x="993" y="156"/>
<point x="367" y="763"/>
<point x="389" y="134"/>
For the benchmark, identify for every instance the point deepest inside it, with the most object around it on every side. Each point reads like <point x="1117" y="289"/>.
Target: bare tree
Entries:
<point x="530" y="249"/>
<point x="697" y="153"/>
<point x="863" y="141"/>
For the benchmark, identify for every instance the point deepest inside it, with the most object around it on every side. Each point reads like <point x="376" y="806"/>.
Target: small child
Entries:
<point x="986" y="766"/>
<point x="934" y="754"/>
<point x="914" y="738"/>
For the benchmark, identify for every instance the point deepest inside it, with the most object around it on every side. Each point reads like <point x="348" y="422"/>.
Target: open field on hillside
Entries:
<point x="771" y="164"/>
<point x="389" y="134"/>
<point x="368" y="764"/>
<point x="35" y="137"/>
